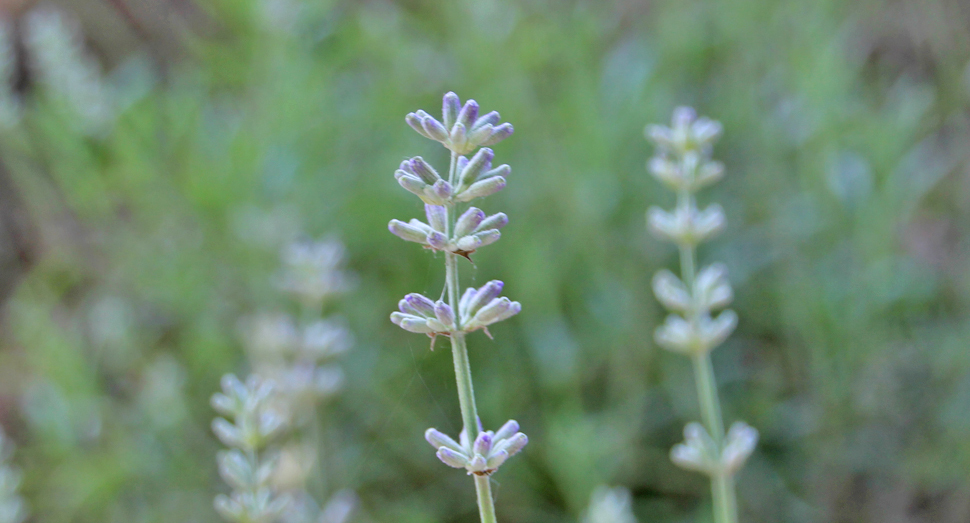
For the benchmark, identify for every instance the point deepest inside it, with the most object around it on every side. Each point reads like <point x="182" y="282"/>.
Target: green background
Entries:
<point x="130" y="253"/>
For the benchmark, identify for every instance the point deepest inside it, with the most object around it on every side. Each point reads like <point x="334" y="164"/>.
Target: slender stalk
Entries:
<point x="463" y="372"/>
<point x="722" y="486"/>
<point x="486" y="507"/>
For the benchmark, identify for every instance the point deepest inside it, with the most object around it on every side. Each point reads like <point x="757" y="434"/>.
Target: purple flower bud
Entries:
<point x="488" y="237"/>
<point x="499" y="133"/>
<point x="480" y="134"/>
<point x="491" y="311"/>
<point x="423" y="170"/>
<point x="468" y="114"/>
<point x="483" y="295"/>
<point x="516" y="443"/>
<point x="511" y="427"/>
<point x="462" y="162"/>
<point x="483" y="443"/>
<point x="482" y="189"/>
<point x="420" y="304"/>
<point x="438" y="439"/>
<point x="437" y="217"/>
<point x="442" y="190"/>
<point x="411" y="323"/>
<point x="501" y="170"/>
<point x="495" y="221"/>
<point x="437" y="240"/>
<point x="410" y="183"/>
<point x="407" y="232"/>
<point x="434" y="129"/>
<point x="443" y="312"/>
<point x="495" y="460"/>
<point x="458" y="138"/>
<point x="491" y="118"/>
<point x="452" y="458"/>
<point x="482" y="161"/>
<point x="468" y="221"/>
<point x="450" y="105"/>
<point x="415" y="122"/>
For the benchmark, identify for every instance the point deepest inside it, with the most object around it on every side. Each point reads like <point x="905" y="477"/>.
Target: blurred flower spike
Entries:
<point x="245" y="466"/>
<point x="482" y="456"/>
<point x="462" y="130"/>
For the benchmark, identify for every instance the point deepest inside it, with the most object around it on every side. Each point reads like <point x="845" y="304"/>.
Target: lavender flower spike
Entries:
<point x="462" y="130"/>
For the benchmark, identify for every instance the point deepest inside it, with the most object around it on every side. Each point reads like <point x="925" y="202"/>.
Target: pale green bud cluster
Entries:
<point x="692" y="330"/>
<point x="256" y="422"/>
<point x="698" y="452"/>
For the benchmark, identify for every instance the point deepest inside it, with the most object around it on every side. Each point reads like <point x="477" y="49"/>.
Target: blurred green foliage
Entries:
<point x="847" y="194"/>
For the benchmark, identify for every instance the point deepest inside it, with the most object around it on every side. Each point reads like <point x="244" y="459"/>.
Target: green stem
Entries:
<point x="486" y="507"/>
<point x="722" y="486"/>
<point x="463" y="372"/>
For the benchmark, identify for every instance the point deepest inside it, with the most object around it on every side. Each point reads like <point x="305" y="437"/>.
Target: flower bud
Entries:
<point x="740" y="442"/>
<point x="511" y="427"/>
<point x="444" y="314"/>
<point x="408" y="232"/>
<point x="418" y="304"/>
<point x="473" y="299"/>
<point x="411" y="183"/>
<point x="452" y="458"/>
<point x="495" y="221"/>
<point x="439" y="439"/>
<point x="423" y="170"/>
<point x="468" y="114"/>
<point x="499" y="133"/>
<point x="434" y="129"/>
<point x="481" y="189"/>
<point x="483" y="443"/>
<point x="492" y="118"/>
<point x="450" y="105"/>
<point x="469" y="221"/>
<point x="711" y="288"/>
<point x="481" y="162"/>
<point x="671" y="292"/>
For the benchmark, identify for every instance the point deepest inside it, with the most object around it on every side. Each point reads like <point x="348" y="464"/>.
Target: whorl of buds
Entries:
<point x="462" y="130"/>
<point x="699" y="452"/>
<point x="482" y="307"/>
<point x="482" y="456"/>
<point x="477" y="309"/>
<point x="473" y="229"/>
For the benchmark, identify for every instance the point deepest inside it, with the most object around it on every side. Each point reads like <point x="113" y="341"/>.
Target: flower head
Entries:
<point x="482" y="456"/>
<point x="462" y="130"/>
